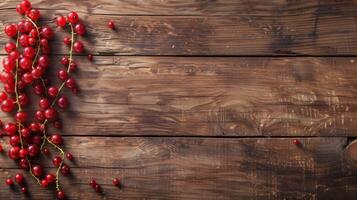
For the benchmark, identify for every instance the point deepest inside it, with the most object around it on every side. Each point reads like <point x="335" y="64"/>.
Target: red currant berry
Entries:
<point x="14" y="153"/>
<point x="24" y="40"/>
<point x="47" y="33"/>
<point x="296" y="142"/>
<point x="73" y="66"/>
<point x="29" y="52"/>
<point x="80" y="29"/>
<point x="71" y="83"/>
<point x="27" y="78"/>
<point x="61" y="195"/>
<point x="24" y="163"/>
<point x="33" y="33"/>
<point x="62" y="75"/>
<point x="10" y="47"/>
<point x="63" y="102"/>
<point x="97" y="188"/>
<point x="34" y="127"/>
<point x="25" y="63"/>
<point x="36" y="73"/>
<point x="21" y="27"/>
<point x="34" y="14"/>
<point x="40" y="116"/>
<point x="9" y="64"/>
<point x="44" y="42"/>
<point x="25" y="5"/>
<point x="10" y="129"/>
<point x="8" y="105"/>
<point x="46" y="151"/>
<point x="92" y="183"/>
<point x="73" y="17"/>
<point x="57" y="161"/>
<point x="67" y="41"/>
<point x="25" y="132"/>
<point x="19" y="178"/>
<point x="56" y="139"/>
<point x="78" y="47"/>
<point x="9" y="182"/>
<point x="90" y="57"/>
<point x="61" y="21"/>
<point x="52" y="91"/>
<point x="29" y="26"/>
<point x="3" y="96"/>
<point x="1" y="149"/>
<point x="38" y="89"/>
<point x="44" y="183"/>
<point x="23" y="153"/>
<point x="50" y="178"/>
<point x="43" y="61"/>
<point x="65" y="169"/>
<point x="111" y="24"/>
<point x="14" y="140"/>
<point x="33" y="150"/>
<point x="50" y="113"/>
<point x="21" y="116"/>
<point x="19" y="10"/>
<point x="116" y="182"/>
<point x="37" y="170"/>
<point x="23" y="99"/>
<point x="15" y="55"/>
<point x="44" y="103"/>
<point x="11" y="30"/>
<point x="69" y="156"/>
<point x="24" y="190"/>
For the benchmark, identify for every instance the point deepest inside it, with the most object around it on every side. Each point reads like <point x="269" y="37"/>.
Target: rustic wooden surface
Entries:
<point x="202" y="99"/>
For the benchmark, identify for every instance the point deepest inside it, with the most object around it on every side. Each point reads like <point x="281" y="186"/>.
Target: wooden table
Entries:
<point x="202" y="99"/>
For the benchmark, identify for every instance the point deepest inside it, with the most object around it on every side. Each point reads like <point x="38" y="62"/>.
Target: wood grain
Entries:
<point x="202" y="168"/>
<point x="214" y="35"/>
<point x="214" y="97"/>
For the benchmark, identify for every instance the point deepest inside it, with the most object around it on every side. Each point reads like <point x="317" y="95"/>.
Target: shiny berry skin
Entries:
<point x="92" y="183"/>
<point x="9" y="182"/>
<point x="56" y="139"/>
<point x="23" y="153"/>
<point x="296" y="142"/>
<point x="65" y="169"/>
<point x="1" y="149"/>
<point x="27" y="78"/>
<point x="36" y="73"/>
<point x="67" y="41"/>
<point x="21" y="116"/>
<point x="57" y="161"/>
<point x="25" y="132"/>
<point x="34" y="14"/>
<point x="34" y="127"/>
<point x="14" y="153"/>
<point x="23" y="163"/>
<point x="20" y="10"/>
<point x="50" y="113"/>
<point x="3" y="96"/>
<point x="11" y="30"/>
<point x="33" y="33"/>
<point x="24" y="40"/>
<point x="97" y="188"/>
<point x="14" y="140"/>
<point x="62" y="75"/>
<point x="33" y="150"/>
<point x="116" y="182"/>
<point x="73" y="66"/>
<point x="25" y="5"/>
<point x="44" y="42"/>
<point x="63" y="102"/>
<point x="44" y="103"/>
<point x="71" y="83"/>
<point x="73" y="17"/>
<point x="44" y="183"/>
<point x="50" y="178"/>
<point x="8" y="105"/>
<point x="80" y="29"/>
<point x="24" y="190"/>
<point x="10" y="47"/>
<point x="29" y="52"/>
<point x="61" y="195"/>
<point x="10" y="129"/>
<point x="23" y="99"/>
<point x="9" y="64"/>
<point x="111" y="25"/>
<point x="46" y="151"/>
<point x="61" y="21"/>
<point x="14" y="55"/>
<point x="52" y="91"/>
<point x="19" y="178"/>
<point x="47" y="33"/>
<point x="21" y="27"/>
<point x="40" y="116"/>
<point x="43" y="61"/>
<point x="25" y="63"/>
<point x="65" y="61"/>
<point x="69" y="156"/>
<point x="38" y="89"/>
<point x="37" y="170"/>
<point x="78" y="47"/>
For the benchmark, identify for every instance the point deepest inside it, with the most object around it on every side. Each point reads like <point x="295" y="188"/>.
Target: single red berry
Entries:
<point x="73" y="66"/>
<point x="20" y="10"/>
<point x="21" y="27"/>
<point x="62" y="75"/>
<point x="36" y="73"/>
<point x="24" y="190"/>
<point x="63" y="102"/>
<point x="34" y="14"/>
<point x="37" y="170"/>
<point x="40" y="116"/>
<point x="97" y="188"/>
<point x="3" y="96"/>
<point x="24" y="40"/>
<point x="1" y="149"/>
<point x="296" y="142"/>
<point x="29" y="52"/>
<point x="25" y="132"/>
<point x="73" y="17"/>
<point x="38" y="89"/>
<point x="14" y="140"/>
<point x="65" y="61"/>
<point x="27" y="78"/>
<point x="56" y="139"/>
<point x="61" y="195"/>
<point x="25" y="5"/>
<point x="14" y="153"/>
<point x="47" y="33"/>
<point x="23" y="153"/>
<point x="44" y="103"/>
<point x="90" y="57"/>
<point x="44" y="42"/>
<point x="67" y="41"/>
<point x="61" y="21"/>
<point x="8" y="105"/>
<point x="92" y="183"/>
<point x="43" y="61"/>
<point x="11" y="30"/>
<point x="33" y="150"/>
<point x="57" y="161"/>
<point x="71" y="83"/>
<point x="46" y="151"/>
<point x="69" y="156"/>
<point x="19" y="178"/>
<point x="52" y="91"/>
<point x="50" y="113"/>
<point x="23" y="99"/>
<point x="21" y="116"/>
<point x="25" y="63"/>
<point x="9" y="182"/>
<point x="10" y="47"/>
<point x="116" y="182"/>
<point x="9" y="63"/>
<point x="78" y="47"/>
<point x="50" y="178"/>
<point x="44" y="183"/>
<point x="10" y="129"/>
<point x="65" y="169"/>
<point x="111" y="24"/>
<point x="24" y="163"/>
<point x="80" y="29"/>
<point x="34" y="127"/>
<point x="29" y="26"/>
<point x="33" y="33"/>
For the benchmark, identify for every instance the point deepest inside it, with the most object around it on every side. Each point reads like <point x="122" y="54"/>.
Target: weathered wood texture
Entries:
<point x="326" y="29"/>
<point x="196" y="168"/>
<point x="215" y="97"/>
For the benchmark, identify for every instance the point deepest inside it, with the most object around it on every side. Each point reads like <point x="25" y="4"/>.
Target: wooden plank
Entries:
<point x="203" y="168"/>
<point x="214" y="97"/>
<point x="333" y="34"/>
<point x="189" y="7"/>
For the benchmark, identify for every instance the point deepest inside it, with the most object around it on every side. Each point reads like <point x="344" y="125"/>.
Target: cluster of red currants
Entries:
<point x="25" y="67"/>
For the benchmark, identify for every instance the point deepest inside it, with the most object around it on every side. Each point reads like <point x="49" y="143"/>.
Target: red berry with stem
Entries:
<point x="57" y="161"/>
<point x="116" y="182"/>
<point x="14" y="153"/>
<point x="62" y="75"/>
<point x="20" y="10"/>
<point x="37" y="170"/>
<point x="25" y="63"/>
<point x="23" y="153"/>
<point x="14" y="140"/>
<point x="25" y="132"/>
<point x="23" y="99"/>
<point x="69" y="156"/>
<point x="40" y="116"/>
<point x="61" y="195"/>
<point x="36" y="73"/>
<point x="10" y="30"/>
<point x="21" y="116"/>
<point x="8" y="105"/>
<point x="34" y="14"/>
<point x="10" y="47"/>
<point x="47" y="33"/>
<point x="10" y="129"/>
<point x="50" y="113"/>
<point x="44" y="103"/>
<point x="24" y="163"/>
<point x="27" y="78"/>
<point x="78" y="47"/>
<point x="71" y="83"/>
<point x="61" y="21"/>
<point x="63" y="102"/>
<point x="33" y="150"/>
<point x="73" y="17"/>
<point x="43" y="61"/>
<point x="67" y="41"/>
<point x="25" y="5"/>
<point x="52" y="91"/>
<point x="24" y="40"/>
<point x="65" y="169"/>
<point x="44" y="183"/>
<point x="56" y="139"/>
<point x="50" y="178"/>
<point x="38" y="89"/>
<point x="80" y="29"/>
<point x="19" y="178"/>
<point x="9" y="182"/>
<point x="111" y="24"/>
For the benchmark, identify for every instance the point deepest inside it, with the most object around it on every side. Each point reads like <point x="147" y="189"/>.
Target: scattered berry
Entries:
<point x="111" y="24"/>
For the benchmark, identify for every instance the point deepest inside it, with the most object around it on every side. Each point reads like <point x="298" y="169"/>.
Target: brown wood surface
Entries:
<point x="201" y="168"/>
